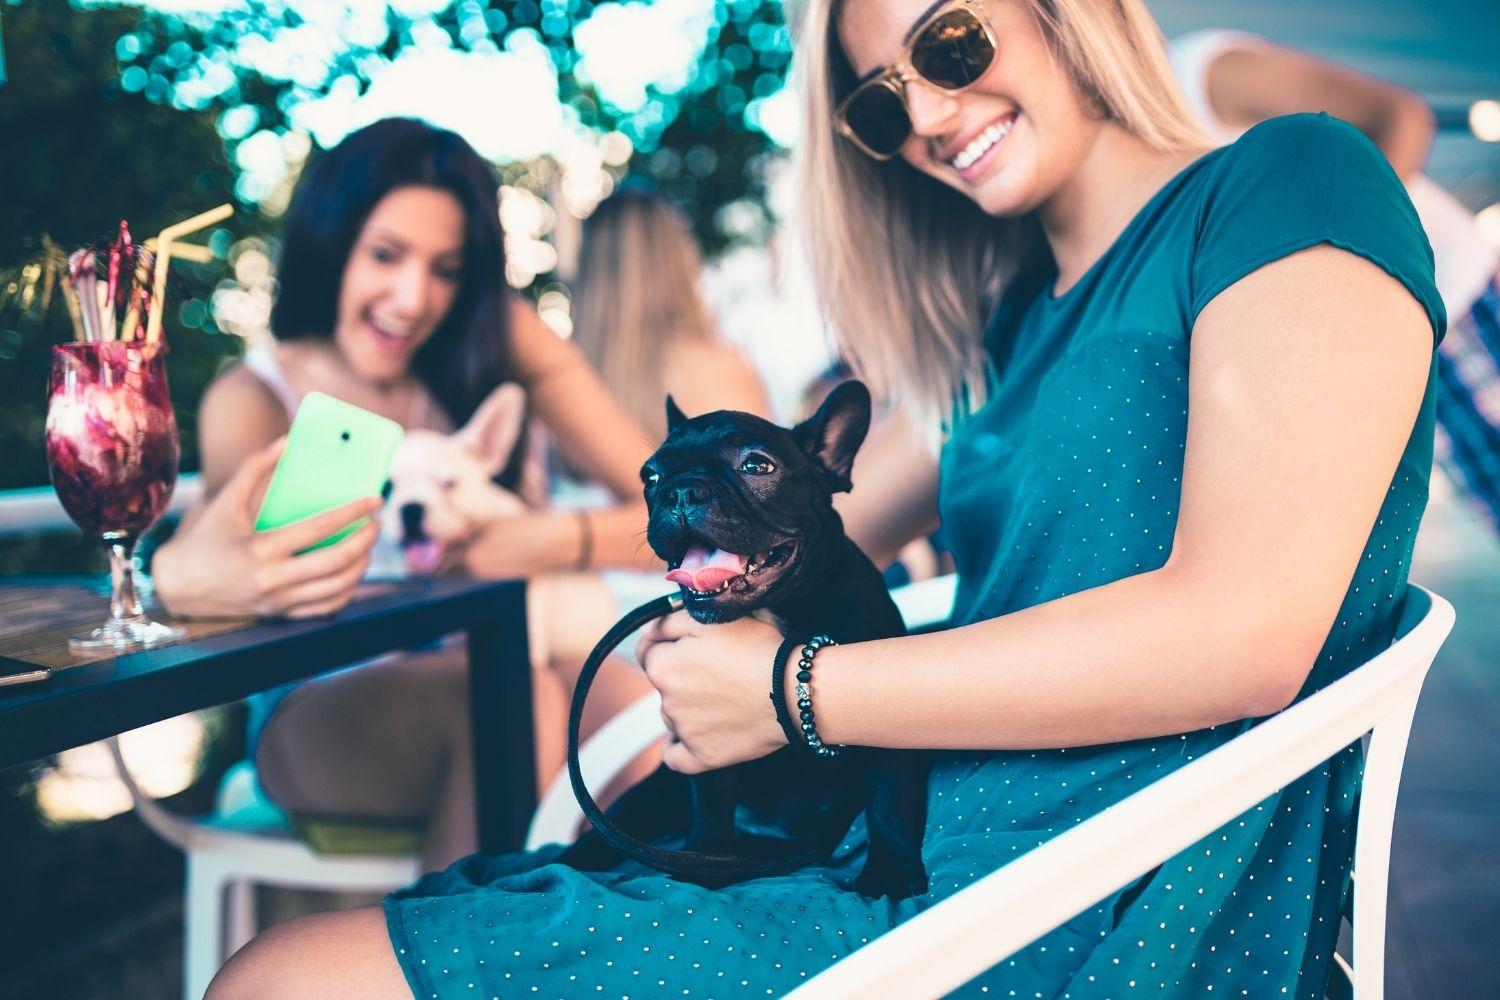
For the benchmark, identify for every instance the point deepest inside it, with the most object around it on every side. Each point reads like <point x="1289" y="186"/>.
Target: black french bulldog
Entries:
<point x="742" y="512"/>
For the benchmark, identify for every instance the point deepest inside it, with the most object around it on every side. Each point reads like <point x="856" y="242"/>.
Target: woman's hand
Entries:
<point x="715" y="682"/>
<point x="218" y="565"/>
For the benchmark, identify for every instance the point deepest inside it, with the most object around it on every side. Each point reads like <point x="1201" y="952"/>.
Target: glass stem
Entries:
<point x="124" y="605"/>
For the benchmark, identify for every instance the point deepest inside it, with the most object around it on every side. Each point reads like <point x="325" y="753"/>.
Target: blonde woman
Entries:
<point x="641" y="322"/>
<point x="640" y="318"/>
<point x="1190" y="428"/>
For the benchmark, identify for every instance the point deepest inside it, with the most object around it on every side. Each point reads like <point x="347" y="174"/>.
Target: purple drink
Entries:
<point x="111" y="436"/>
<point x="112" y="452"/>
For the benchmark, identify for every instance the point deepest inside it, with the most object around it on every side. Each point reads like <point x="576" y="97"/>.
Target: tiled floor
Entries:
<point x="1444" y="931"/>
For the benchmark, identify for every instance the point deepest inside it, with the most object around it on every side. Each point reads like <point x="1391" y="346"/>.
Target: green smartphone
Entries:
<point x="335" y="453"/>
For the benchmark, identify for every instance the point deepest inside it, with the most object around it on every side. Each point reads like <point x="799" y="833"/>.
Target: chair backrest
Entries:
<point x="1425" y="622"/>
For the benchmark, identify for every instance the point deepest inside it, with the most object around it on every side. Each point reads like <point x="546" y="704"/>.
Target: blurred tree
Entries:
<point x="148" y="115"/>
<point x="81" y="154"/>
<point x="700" y="141"/>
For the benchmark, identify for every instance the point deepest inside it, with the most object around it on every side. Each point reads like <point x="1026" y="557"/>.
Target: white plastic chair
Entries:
<point x="978" y="927"/>
<point x="225" y="863"/>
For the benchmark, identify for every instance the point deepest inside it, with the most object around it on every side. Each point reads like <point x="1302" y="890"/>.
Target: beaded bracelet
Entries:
<point x="804" y="697"/>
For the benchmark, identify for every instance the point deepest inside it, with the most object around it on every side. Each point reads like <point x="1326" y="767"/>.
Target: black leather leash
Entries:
<point x="683" y="864"/>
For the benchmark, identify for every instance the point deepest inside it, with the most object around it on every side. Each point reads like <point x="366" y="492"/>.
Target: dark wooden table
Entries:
<point x="225" y="661"/>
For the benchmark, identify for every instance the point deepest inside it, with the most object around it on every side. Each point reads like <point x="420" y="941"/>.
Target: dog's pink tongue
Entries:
<point x="423" y="558"/>
<point x="704" y="568"/>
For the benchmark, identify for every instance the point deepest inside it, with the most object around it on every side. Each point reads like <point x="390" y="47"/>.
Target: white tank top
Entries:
<point x="1465" y="262"/>
<point x="263" y="365"/>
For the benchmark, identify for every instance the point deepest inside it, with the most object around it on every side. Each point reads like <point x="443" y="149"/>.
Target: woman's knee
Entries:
<point x="330" y="955"/>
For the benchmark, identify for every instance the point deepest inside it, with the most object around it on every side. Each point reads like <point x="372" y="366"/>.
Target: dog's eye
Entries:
<point x="448" y="484"/>
<point x="757" y="465"/>
<point x="650" y="477"/>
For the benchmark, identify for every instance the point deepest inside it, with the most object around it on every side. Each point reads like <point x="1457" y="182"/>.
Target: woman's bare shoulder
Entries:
<point x="239" y="415"/>
<point x="713" y="374"/>
<point x="238" y="392"/>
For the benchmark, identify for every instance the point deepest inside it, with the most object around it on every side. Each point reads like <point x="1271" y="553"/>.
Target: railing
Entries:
<point x="37" y="509"/>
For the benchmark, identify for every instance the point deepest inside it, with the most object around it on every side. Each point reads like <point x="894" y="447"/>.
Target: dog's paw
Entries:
<point x="898" y="881"/>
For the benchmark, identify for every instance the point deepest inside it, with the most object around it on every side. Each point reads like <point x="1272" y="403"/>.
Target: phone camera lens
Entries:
<point x="345" y="435"/>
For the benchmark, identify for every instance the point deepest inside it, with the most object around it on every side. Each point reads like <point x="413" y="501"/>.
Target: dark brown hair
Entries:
<point x="469" y="353"/>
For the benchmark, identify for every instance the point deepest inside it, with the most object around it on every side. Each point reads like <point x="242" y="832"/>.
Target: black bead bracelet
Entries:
<point x="804" y="697"/>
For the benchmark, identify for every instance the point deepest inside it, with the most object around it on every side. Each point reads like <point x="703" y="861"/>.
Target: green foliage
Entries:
<point x="122" y="112"/>
<point x="700" y="144"/>
<point x="81" y="154"/>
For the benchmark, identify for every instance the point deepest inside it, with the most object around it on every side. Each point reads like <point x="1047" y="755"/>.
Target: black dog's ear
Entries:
<point x="833" y="434"/>
<point x="675" y="415"/>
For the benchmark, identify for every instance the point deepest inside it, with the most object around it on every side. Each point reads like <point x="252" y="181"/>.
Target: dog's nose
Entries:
<point x="688" y="494"/>
<point x="411" y="520"/>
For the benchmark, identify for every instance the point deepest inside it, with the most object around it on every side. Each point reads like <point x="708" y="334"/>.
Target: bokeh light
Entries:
<point x="1484" y="120"/>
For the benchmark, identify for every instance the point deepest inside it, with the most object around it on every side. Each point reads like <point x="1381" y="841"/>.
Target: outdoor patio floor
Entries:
<point x="1444" y="924"/>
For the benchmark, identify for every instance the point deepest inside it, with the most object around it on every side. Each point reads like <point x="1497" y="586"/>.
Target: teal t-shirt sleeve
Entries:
<point x="1298" y="181"/>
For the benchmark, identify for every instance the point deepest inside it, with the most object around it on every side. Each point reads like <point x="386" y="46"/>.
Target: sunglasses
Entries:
<point x="951" y="50"/>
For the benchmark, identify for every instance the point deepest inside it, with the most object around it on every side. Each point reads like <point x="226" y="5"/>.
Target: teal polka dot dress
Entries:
<point x="1067" y="478"/>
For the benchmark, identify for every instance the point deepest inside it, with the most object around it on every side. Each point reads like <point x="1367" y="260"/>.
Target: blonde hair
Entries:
<point x="907" y="269"/>
<point x="637" y="291"/>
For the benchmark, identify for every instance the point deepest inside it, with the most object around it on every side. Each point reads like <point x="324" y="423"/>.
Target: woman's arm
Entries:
<point x="237" y="418"/>
<point x="1247" y="85"/>
<point x="591" y="428"/>
<point x="216" y="564"/>
<point x="1305" y="381"/>
<point x="599" y="438"/>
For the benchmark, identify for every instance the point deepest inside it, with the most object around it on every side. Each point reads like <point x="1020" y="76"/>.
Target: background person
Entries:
<point x="1234" y="80"/>
<point x="640" y="320"/>
<point x="392" y="298"/>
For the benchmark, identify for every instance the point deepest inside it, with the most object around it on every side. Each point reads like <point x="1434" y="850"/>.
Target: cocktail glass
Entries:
<point x="112" y="452"/>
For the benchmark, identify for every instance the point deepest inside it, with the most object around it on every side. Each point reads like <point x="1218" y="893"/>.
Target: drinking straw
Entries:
<point x="164" y="258"/>
<point x="139" y="291"/>
<point x="120" y="246"/>
<point x="105" y="312"/>
<point x="81" y="266"/>
<point x="58" y="262"/>
<point x="184" y="251"/>
<point x="74" y="313"/>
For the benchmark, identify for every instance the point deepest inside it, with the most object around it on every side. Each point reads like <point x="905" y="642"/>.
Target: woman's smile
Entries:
<point x="974" y="157"/>
<point x="390" y="337"/>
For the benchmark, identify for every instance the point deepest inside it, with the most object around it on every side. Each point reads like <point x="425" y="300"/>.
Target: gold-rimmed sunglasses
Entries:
<point x="951" y="50"/>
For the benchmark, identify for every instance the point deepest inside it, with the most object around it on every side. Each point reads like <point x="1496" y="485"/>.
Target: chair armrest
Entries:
<point x="927" y="602"/>
<point x="602" y="756"/>
<point x="947" y="945"/>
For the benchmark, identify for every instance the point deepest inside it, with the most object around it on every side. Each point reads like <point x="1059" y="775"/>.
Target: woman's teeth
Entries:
<point x="386" y="331"/>
<point x="981" y="144"/>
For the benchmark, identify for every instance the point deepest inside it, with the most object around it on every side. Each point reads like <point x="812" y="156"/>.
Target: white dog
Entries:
<point x="442" y="485"/>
